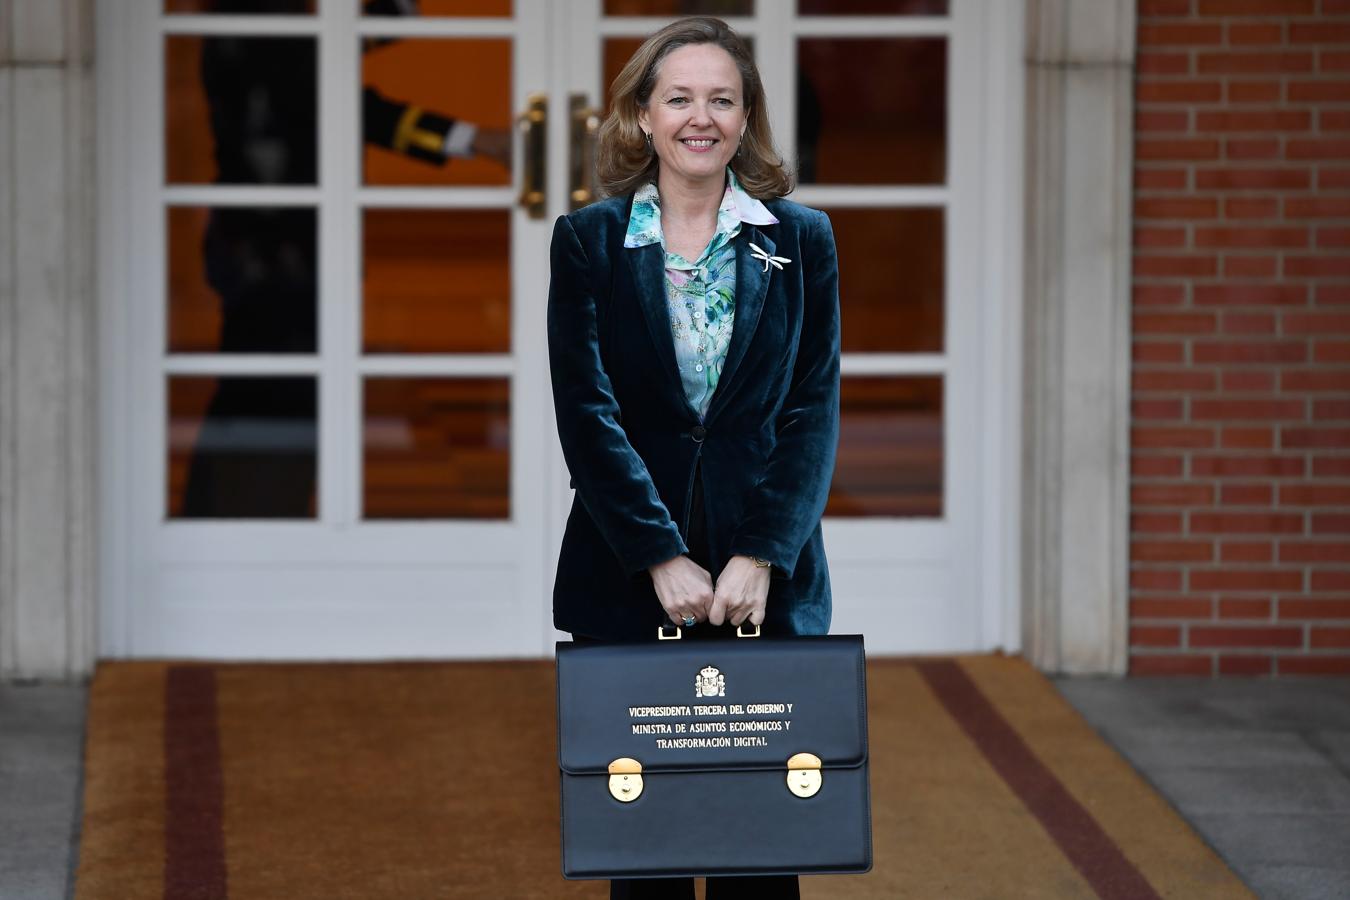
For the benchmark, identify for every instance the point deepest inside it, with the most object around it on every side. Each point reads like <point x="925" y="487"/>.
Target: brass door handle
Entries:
<point x="585" y="129"/>
<point x="534" y="130"/>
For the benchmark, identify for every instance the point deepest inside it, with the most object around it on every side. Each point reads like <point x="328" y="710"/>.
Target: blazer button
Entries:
<point x="698" y="433"/>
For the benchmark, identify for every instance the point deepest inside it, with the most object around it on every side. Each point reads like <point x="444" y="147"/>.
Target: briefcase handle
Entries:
<point x="661" y="631"/>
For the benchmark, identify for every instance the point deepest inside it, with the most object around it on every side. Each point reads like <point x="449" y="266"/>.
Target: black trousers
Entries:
<point x="775" y="887"/>
<point x="748" y="888"/>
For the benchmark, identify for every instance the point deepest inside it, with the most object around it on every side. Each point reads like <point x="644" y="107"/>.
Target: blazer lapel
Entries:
<point x="752" y="283"/>
<point x="648" y="265"/>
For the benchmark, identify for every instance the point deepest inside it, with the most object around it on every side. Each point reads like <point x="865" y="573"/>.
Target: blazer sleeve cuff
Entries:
<point x="637" y="561"/>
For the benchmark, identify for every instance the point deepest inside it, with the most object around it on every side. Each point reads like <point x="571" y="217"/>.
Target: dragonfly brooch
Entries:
<point x="763" y="256"/>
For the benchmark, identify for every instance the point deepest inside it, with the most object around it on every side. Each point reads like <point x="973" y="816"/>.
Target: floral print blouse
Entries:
<point x="700" y="295"/>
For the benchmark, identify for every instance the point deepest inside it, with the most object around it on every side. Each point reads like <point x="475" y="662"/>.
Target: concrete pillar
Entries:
<point x="47" y="339"/>
<point x="1080" y="75"/>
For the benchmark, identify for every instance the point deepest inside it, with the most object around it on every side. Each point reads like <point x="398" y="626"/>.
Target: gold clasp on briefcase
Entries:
<point x="625" y="779"/>
<point x="803" y="777"/>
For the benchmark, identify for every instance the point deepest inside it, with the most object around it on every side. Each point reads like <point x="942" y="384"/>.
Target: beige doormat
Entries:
<point x="430" y="780"/>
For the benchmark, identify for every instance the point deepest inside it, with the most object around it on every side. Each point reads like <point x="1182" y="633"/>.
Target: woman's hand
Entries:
<point x="684" y="588"/>
<point x="742" y="591"/>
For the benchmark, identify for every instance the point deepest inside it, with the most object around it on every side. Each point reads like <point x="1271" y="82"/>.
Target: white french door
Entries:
<point x="901" y="116"/>
<point x="329" y="432"/>
<point x="332" y="437"/>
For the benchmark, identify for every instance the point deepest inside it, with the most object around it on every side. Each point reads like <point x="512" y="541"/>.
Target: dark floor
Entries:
<point x="41" y="734"/>
<point x="1260" y="768"/>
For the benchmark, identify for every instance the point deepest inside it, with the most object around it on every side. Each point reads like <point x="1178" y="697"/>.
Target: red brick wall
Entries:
<point x="1240" y="456"/>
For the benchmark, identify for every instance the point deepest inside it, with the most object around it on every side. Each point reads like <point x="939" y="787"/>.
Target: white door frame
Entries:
<point x="982" y="365"/>
<point x="230" y="589"/>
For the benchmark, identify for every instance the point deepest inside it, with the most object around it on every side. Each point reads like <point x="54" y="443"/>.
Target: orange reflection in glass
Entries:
<point x="240" y="110"/>
<point x="474" y="8"/>
<point x="437" y="281"/>
<point x="890" y="447"/>
<point x="242" y="447"/>
<point x="437" y="448"/>
<point x="679" y="7"/>
<point x="873" y="7"/>
<point x="194" y="309"/>
<point x="890" y="279"/>
<point x="617" y="52"/>
<point x="411" y="87"/>
<point x="872" y="110"/>
<point x="187" y="134"/>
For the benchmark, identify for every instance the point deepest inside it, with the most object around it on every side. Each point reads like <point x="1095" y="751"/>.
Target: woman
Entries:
<point x="693" y="326"/>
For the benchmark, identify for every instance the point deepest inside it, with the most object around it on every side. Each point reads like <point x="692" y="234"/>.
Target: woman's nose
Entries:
<point x="701" y="114"/>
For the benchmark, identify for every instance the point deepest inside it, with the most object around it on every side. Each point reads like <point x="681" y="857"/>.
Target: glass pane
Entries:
<point x="242" y="280"/>
<point x="437" y="448"/>
<point x="679" y="7"/>
<point x="873" y="7"/>
<point x="872" y="110"/>
<point x="890" y="279"/>
<point x="415" y="91"/>
<point x="242" y="447"/>
<point x="437" y="281"/>
<point x="240" y="110"/>
<point x="617" y="52"/>
<point x="241" y="7"/>
<point x="890" y="447"/>
<point x="436" y="7"/>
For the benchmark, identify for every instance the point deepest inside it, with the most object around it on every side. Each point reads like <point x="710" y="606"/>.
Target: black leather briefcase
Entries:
<point x="714" y="757"/>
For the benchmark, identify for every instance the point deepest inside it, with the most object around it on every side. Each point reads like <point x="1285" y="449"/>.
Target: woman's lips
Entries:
<point x="699" y="145"/>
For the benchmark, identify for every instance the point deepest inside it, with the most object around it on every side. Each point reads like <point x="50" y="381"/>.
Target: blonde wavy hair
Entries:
<point x="625" y="162"/>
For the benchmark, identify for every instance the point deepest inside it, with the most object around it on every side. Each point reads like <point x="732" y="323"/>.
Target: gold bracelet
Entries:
<point x="761" y="563"/>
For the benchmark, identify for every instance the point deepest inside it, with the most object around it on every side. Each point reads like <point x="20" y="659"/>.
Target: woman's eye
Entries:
<point x="676" y="100"/>
<point x="723" y="101"/>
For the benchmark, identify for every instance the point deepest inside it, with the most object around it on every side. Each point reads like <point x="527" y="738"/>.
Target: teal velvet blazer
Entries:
<point x="633" y="443"/>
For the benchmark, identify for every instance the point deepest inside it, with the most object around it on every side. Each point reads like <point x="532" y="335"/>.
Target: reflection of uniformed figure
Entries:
<point x="256" y="451"/>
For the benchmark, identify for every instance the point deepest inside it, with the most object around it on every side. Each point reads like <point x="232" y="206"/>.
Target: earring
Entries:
<point x="648" y="135"/>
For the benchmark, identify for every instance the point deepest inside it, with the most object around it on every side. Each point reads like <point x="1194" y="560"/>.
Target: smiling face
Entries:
<point x="696" y="116"/>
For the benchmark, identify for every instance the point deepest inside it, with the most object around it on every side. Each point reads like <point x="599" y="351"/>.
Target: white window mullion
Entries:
<point x="964" y="430"/>
<point x="870" y="26"/>
<point x="149" y="344"/>
<point x="431" y="26"/>
<point x="642" y="26"/>
<point x="241" y="364"/>
<point x="339" y="264"/>
<point x="892" y="364"/>
<point x="582" y="70"/>
<point x="430" y="365"/>
<point x="260" y="26"/>
<point x="775" y="53"/>
<point x="436" y="197"/>
<point x="871" y="196"/>
<point x="532" y="67"/>
<point x="239" y="195"/>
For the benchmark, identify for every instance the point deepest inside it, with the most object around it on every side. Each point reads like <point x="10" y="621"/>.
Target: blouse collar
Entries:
<point x="737" y="208"/>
